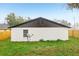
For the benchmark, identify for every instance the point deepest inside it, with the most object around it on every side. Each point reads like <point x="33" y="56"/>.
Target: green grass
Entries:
<point x="48" y="48"/>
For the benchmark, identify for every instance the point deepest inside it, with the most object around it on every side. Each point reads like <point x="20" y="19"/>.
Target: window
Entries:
<point x="25" y="32"/>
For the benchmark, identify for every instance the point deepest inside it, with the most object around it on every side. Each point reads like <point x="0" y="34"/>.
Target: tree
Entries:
<point x="73" y="6"/>
<point x="28" y="18"/>
<point x="77" y="25"/>
<point x="12" y="19"/>
<point x="64" y="22"/>
<point x="20" y="19"/>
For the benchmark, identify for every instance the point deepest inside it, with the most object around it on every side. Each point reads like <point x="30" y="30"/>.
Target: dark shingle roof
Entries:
<point x="41" y="19"/>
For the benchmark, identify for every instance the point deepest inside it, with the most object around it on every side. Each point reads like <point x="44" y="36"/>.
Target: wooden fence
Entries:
<point x="4" y="34"/>
<point x="74" y="33"/>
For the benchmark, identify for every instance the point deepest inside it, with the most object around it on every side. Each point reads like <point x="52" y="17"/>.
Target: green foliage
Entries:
<point x="12" y="19"/>
<point x="48" y="40"/>
<point x="41" y="40"/>
<point x="45" y="48"/>
<point x="59" y="40"/>
<point x="64" y="22"/>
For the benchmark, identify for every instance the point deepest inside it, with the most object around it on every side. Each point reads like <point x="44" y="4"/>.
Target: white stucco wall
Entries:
<point x="40" y="33"/>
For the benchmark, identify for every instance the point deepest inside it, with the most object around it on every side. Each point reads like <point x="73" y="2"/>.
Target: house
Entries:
<point x="39" y="29"/>
<point x="3" y="26"/>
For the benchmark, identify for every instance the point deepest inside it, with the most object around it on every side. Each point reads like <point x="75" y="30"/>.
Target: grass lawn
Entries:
<point x="48" y="48"/>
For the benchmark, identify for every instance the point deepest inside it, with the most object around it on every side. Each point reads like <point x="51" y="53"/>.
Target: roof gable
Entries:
<point x="40" y="22"/>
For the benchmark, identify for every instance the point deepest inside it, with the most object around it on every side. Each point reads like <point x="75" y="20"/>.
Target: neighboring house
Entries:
<point x="3" y="26"/>
<point x="39" y="29"/>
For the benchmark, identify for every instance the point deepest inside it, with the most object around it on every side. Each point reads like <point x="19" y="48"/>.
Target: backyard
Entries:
<point x="42" y="48"/>
<point x="61" y="16"/>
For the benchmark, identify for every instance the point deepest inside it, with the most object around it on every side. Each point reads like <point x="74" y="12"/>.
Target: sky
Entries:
<point x="50" y="11"/>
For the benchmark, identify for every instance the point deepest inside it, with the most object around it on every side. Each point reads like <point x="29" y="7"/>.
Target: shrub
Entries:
<point x="48" y="40"/>
<point x="59" y="40"/>
<point x="42" y="40"/>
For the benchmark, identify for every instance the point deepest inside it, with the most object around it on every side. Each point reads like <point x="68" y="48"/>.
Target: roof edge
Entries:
<point x="38" y="18"/>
